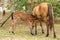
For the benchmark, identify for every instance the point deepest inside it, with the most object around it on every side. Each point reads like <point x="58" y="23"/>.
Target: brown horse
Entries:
<point x="44" y="11"/>
<point x="24" y="17"/>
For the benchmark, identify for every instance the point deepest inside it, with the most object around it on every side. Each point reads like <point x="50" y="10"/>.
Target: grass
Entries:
<point x="22" y="33"/>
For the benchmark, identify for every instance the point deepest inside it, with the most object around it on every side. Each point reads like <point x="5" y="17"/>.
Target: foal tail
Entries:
<point x="7" y="19"/>
<point x="12" y="15"/>
<point x="51" y="17"/>
<point x="3" y="12"/>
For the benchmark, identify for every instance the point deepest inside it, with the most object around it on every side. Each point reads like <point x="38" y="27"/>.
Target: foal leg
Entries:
<point x="35" y="25"/>
<point x="11" y="30"/>
<point x="31" y="26"/>
<point x="3" y="12"/>
<point x="41" y="27"/>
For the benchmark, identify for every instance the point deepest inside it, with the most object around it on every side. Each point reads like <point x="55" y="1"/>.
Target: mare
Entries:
<point x="44" y="11"/>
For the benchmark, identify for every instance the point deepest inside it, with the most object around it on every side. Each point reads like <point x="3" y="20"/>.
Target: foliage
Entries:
<point x="56" y="8"/>
<point x="29" y="7"/>
<point x="19" y="4"/>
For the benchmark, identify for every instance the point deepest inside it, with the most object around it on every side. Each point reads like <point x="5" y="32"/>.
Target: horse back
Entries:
<point x="41" y="10"/>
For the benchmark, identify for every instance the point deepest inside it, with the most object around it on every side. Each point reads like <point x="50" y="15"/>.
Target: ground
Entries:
<point x="22" y="32"/>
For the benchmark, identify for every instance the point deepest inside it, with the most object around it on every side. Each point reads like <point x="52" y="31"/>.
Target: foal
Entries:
<point x="25" y="17"/>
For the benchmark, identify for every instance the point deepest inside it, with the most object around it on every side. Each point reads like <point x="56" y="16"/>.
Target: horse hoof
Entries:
<point x="42" y="32"/>
<point x="33" y="34"/>
<point x="36" y="34"/>
<point x="47" y="35"/>
<point x="12" y="33"/>
<point x="54" y="36"/>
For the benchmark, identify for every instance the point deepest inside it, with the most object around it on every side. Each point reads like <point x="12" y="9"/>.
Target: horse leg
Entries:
<point x="35" y="25"/>
<point x="41" y="27"/>
<point x="46" y="20"/>
<point x="53" y="30"/>
<point x="3" y="12"/>
<point x="31" y="26"/>
<point x="47" y="29"/>
<point x="11" y="30"/>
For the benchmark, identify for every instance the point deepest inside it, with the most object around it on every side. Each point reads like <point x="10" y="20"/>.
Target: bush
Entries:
<point x="29" y="7"/>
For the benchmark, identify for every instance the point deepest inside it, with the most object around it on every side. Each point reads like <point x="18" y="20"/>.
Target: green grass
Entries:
<point x="22" y="33"/>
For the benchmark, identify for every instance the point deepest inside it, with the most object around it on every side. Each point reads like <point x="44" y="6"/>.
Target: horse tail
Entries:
<point x="12" y="15"/>
<point x="7" y="19"/>
<point x="51" y="17"/>
<point x="3" y="12"/>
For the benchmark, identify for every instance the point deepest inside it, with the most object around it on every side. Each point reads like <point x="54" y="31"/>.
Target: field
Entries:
<point x="22" y="32"/>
